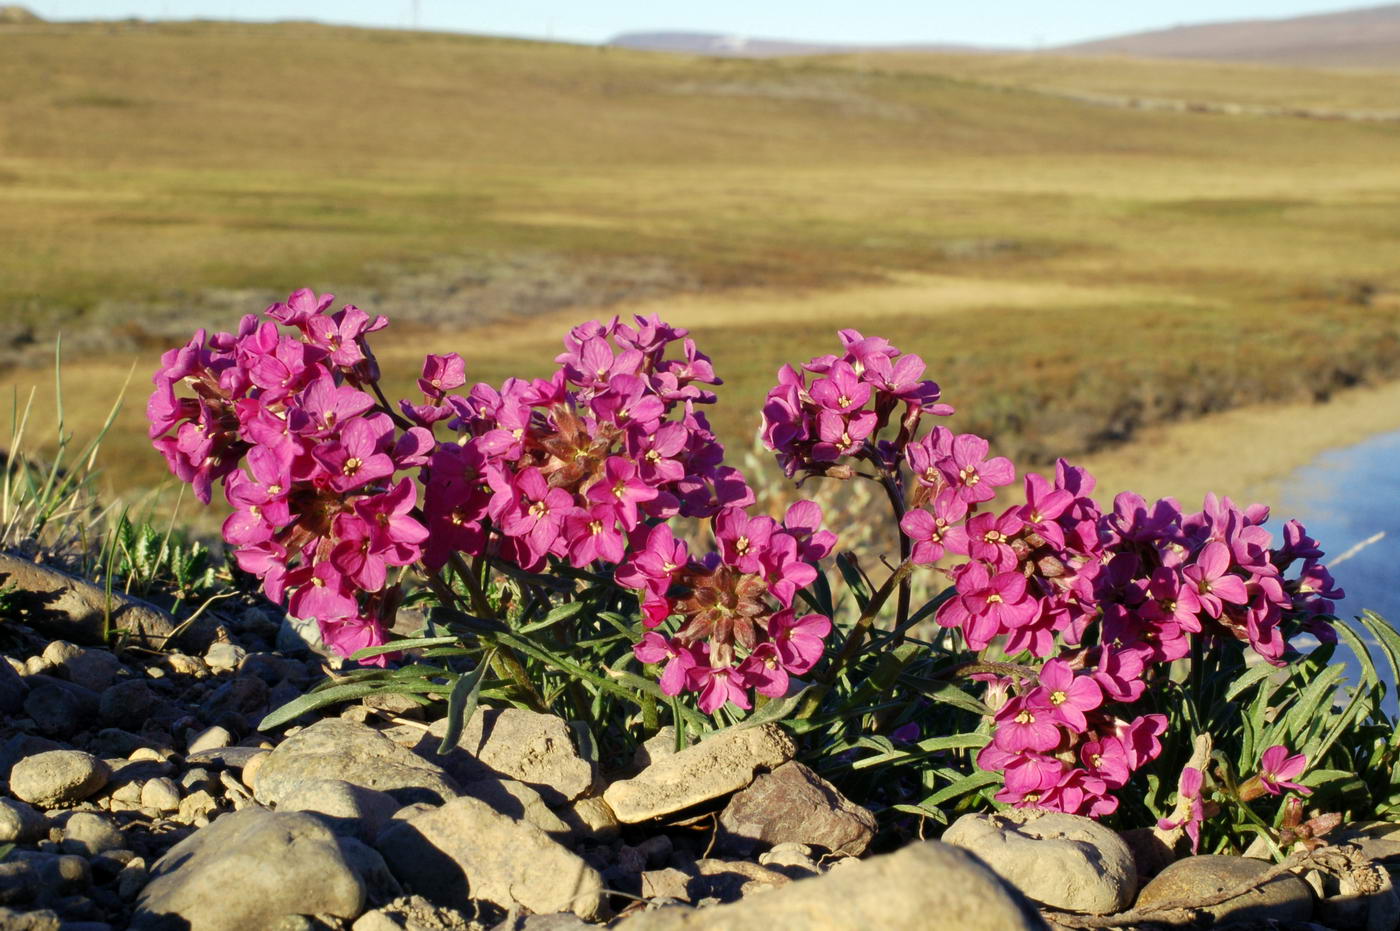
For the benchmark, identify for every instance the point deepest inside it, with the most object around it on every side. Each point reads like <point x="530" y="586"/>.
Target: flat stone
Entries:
<point x="1283" y="899"/>
<point x="88" y="834"/>
<point x="20" y="823"/>
<point x="250" y="869"/>
<point x="792" y="804"/>
<point x="1061" y="861"/>
<point x="335" y="749"/>
<point x="519" y="801"/>
<point x="925" y="885"/>
<point x="61" y="605"/>
<point x="223" y="656"/>
<point x="668" y="883"/>
<point x="467" y="850"/>
<point x="38" y="920"/>
<point x="1378" y="840"/>
<point x="227" y="757"/>
<point x="57" y="777"/>
<point x="514" y="743"/>
<point x="710" y="769"/>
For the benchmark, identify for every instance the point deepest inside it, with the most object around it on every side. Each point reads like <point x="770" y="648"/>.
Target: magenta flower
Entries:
<point x="1213" y="583"/>
<point x="1068" y="696"/>
<point x="592" y="534"/>
<point x="622" y="488"/>
<point x="763" y="669"/>
<point x="987" y="605"/>
<point x="841" y="391"/>
<point x="300" y="307"/>
<point x="537" y="514"/>
<point x="1027" y="722"/>
<point x="678" y="657"/>
<point x="357" y="456"/>
<point x="742" y="539"/>
<point x="968" y="469"/>
<point x="717" y="685"/>
<point x="799" y="642"/>
<point x="442" y="374"/>
<point x="1188" y="791"/>
<point x="1277" y="770"/>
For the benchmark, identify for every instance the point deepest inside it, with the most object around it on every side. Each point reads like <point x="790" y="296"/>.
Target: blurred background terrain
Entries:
<point x="1083" y="245"/>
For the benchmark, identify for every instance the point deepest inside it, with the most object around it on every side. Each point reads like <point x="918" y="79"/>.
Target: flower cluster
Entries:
<point x="736" y="627"/>
<point x="849" y="402"/>
<point x="585" y="467"/>
<point x="1103" y="599"/>
<point x="1278" y="771"/>
<point x="306" y="458"/>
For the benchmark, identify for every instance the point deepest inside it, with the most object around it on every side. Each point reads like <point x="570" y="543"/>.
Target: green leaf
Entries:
<point x="1291" y="726"/>
<point x="946" y="693"/>
<point x="777" y="709"/>
<point x="462" y="702"/>
<point x="5" y="851"/>
<point x="960" y="787"/>
<point x="560" y="613"/>
<point x="583" y="740"/>
<point x="925" y="748"/>
<point x="313" y="700"/>
<point x="854" y="581"/>
<point x="1251" y="676"/>
<point x="410" y="643"/>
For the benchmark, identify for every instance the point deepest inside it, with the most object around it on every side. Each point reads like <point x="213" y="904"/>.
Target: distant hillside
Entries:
<point x="1367" y="38"/>
<point x="13" y="14"/>
<point x="736" y="46"/>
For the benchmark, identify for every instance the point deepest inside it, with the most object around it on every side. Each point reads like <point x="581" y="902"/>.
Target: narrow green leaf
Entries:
<point x="313" y="700"/>
<point x="1251" y="676"/>
<point x="584" y="742"/>
<point x="946" y="693"/>
<point x="925" y="748"/>
<point x="960" y="787"/>
<point x="410" y="643"/>
<point x="854" y="581"/>
<point x="561" y="613"/>
<point x="777" y="709"/>
<point x="462" y="702"/>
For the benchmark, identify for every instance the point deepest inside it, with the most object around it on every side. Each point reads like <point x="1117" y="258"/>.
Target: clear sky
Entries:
<point x="1007" y="23"/>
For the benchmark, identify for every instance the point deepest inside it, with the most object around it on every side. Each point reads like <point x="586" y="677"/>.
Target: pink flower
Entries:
<point x="1068" y="696"/>
<point x="1027" y="722"/>
<point x="987" y="605"/>
<point x="1277" y="770"/>
<point x="1213" y="583"/>
<point x="973" y="475"/>
<point x="592" y="535"/>
<point x="717" y="685"/>
<point x="763" y="669"/>
<point x="622" y="488"/>
<point x="743" y="539"/>
<point x="678" y="657"/>
<point x="1188" y="790"/>
<point x="799" y="643"/>
<point x="537" y="515"/>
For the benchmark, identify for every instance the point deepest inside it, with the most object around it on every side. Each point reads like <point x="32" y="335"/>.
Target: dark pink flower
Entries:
<point x="717" y="685"/>
<point x="1188" y="790"/>
<point x="799" y="642"/>
<point x="1277" y="770"/>
<point x="593" y="534"/>
<point x="971" y="473"/>
<point x="1027" y="722"/>
<point x="1069" y="696"/>
<point x="678" y="657"/>
<point x="764" y="670"/>
<point x="1210" y="575"/>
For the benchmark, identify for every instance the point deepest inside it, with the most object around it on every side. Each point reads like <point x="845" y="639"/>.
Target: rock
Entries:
<point x="161" y="794"/>
<point x="662" y="743"/>
<point x="63" y="606"/>
<point x="729" y="880"/>
<point x="381" y="887"/>
<point x="1062" y="861"/>
<point x="536" y="749"/>
<point x="126" y="703"/>
<point x="1378" y="840"/>
<point x="466" y="849"/>
<point x="1283" y="899"/>
<point x="252" y="766"/>
<point x="669" y="883"/>
<point x="197" y="807"/>
<point x="250" y="869"/>
<point x="349" y="810"/>
<point x="227" y="757"/>
<point x="20" y="824"/>
<point x="41" y="920"/>
<point x="335" y="749"/>
<point x="57" y="777"/>
<point x="211" y="738"/>
<point x="792" y="860"/>
<point x="792" y="804"/>
<point x="223" y="656"/>
<point x="87" y="834"/>
<point x="22" y="745"/>
<point x="13" y="688"/>
<point x="712" y="768"/>
<point x="43" y="878"/>
<point x="925" y="885"/>
<point x="413" y="913"/>
<point x="1361" y="899"/>
<point x="60" y="708"/>
<point x="590" y="818"/>
<point x="519" y="801"/>
<point x="94" y="670"/>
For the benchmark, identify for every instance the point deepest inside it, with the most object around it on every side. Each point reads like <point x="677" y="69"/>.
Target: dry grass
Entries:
<point x="1073" y="273"/>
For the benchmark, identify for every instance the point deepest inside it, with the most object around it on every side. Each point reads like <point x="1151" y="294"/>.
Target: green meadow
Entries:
<point x="1072" y="273"/>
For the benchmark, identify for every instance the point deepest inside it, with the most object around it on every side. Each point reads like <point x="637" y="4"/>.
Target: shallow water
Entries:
<point x="1349" y="499"/>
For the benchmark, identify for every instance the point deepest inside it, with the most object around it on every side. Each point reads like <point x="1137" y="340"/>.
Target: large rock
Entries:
<point x="336" y="749"/>
<point x="93" y="669"/>
<point x="1378" y="840"/>
<point x="20" y="824"/>
<point x="88" y="834"/>
<point x="250" y="869"/>
<point x="1283" y="899"/>
<point x="518" y="744"/>
<point x="1361" y="898"/>
<point x="349" y="810"/>
<point x="925" y="885"/>
<point x="63" y="606"/>
<point x="60" y="708"/>
<point x="712" y="768"/>
<point x="1062" y="861"/>
<point x="792" y="804"/>
<point x="467" y="850"/>
<point x="12" y="690"/>
<point x="57" y="777"/>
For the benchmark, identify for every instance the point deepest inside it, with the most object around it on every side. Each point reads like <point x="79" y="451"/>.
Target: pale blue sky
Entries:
<point x="1010" y="22"/>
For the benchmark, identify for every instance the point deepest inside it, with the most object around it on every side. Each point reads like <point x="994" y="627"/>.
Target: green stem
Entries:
<point x="854" y="639"/>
